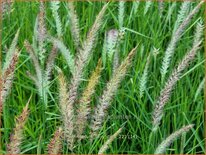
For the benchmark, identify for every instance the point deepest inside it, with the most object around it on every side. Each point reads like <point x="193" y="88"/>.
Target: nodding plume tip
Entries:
<point x="27" y="104"/>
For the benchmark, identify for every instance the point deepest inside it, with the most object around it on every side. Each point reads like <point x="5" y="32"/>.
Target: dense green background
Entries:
<point x="146" y="30"/>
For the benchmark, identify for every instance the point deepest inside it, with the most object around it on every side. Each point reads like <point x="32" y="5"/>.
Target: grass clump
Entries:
<point x="87" y="85"/>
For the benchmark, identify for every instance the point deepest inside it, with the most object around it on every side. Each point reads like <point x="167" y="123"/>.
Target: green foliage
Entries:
<point x="128" y="110"/>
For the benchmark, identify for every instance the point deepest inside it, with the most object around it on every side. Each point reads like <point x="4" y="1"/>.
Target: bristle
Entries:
<point x="17" y="135"/>
<point x="171" y="82"/>
<point x="169" y="140"/>
<point x="55" y="145"/>
<point x="104" y="102"/>
<point x="84" y="107"/>
<point x="175" y="38"/>
<point x="74" y="22"/>
<point x="105" y="146"/>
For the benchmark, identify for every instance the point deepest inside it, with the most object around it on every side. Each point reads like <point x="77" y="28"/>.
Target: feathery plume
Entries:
<point x="104" y="50"/>
<point x="110" y="45"/>
<point x="105" y="146"/>
<point x="8" y="76"/>
<point x="147" y="6"/>
<point x="32" y="78"/>
<point x="67" y="110"/>
<point x="169" y="140"/>
<point x="81" y="60"/>
<point x="41" y="23"/>
<point x="175" y="38"/>
<point x="41" y="32"/>
<point x="34" y="58"/>
<point x="17" y="135"/>
<point x="167" y="90"/>
<point x="198" y="32"/>
<point x="170" y="12"/>
<point x="88" y="44"/>
<point x="6" y="6"/>
<point x="35" y="37"/>
<point x="135" y="6"/>
<point x="37" y="51"/>
<point x="40" y="78"/>
<point x="55" y="145"/>
<point x="155" y="52"/>
<point x="7" y="73"/>
<point x="182" y="14"/>
<point x="109" y="92"/>
<point x="74" y="22"/>
<point x="55" y="8"/>
<point x="112" y="39"/>
<point x="11" y="51"/>
<point x="50" y="62"/>
<point x="83" y="56"/>
<point x="161" y="7"/>
<point x="84" y="107"/>
<point x="116" y="49"/>
<point x="143" y="80"/>
<point x="37" y="66"/>
<point x="199" y="89"/>
<point x="115" y="63"/>
<point x="65" y="52"/>
<point x="62" y="94"/>
<point x="121" y="13"/>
